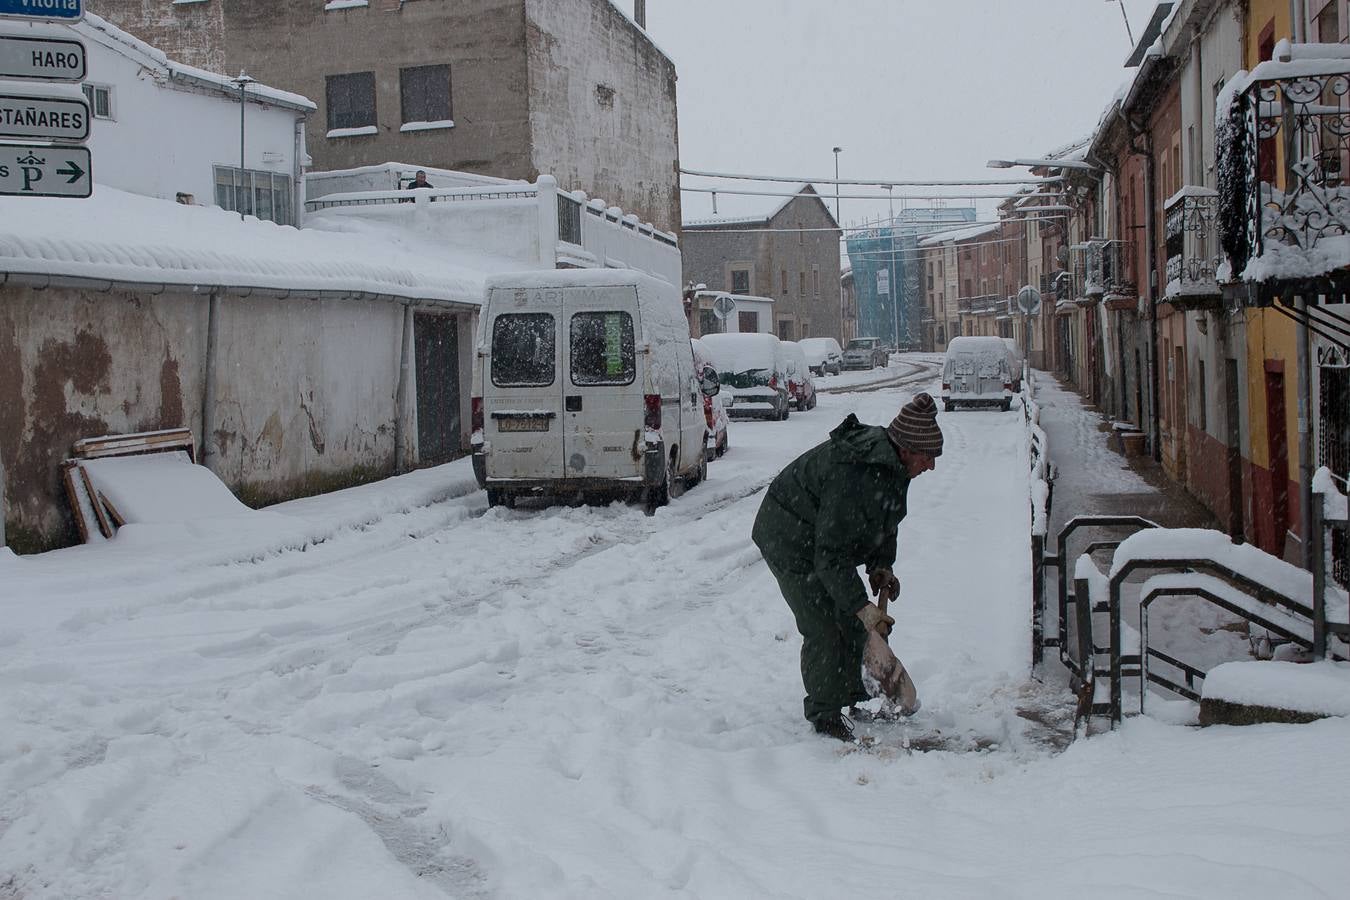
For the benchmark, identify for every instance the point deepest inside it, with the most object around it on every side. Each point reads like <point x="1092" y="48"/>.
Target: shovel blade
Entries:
<point x="884" y="666"/>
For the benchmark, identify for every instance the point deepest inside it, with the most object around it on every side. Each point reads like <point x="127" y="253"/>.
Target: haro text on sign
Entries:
<point x="49" y="59"/>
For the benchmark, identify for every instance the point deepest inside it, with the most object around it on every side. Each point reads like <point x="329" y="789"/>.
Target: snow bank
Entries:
<point x="162" y="487"/>
<point x="1321" y="687"/>
<point x="117" y="236"/>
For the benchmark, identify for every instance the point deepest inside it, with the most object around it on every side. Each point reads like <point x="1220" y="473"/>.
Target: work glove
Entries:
<point x="884" y="582"/>
<point x="874" y="619"/>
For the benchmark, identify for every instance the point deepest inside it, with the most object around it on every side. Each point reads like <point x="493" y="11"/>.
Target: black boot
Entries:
<point x="836" y="726"/>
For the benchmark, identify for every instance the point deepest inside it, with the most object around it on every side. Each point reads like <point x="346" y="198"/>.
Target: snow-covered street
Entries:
<point x="437" y="699"/>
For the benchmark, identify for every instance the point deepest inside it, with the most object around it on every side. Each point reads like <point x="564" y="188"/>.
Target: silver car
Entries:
<point x="865" y="353"/>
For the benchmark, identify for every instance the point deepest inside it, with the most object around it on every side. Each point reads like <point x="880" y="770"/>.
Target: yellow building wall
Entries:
<point x="1270" y="335"/>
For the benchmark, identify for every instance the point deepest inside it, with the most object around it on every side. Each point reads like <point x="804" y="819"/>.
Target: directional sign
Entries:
<point x="27" y="171"/>
<point x="59" y="10"/>
<point x="46" y="118"/>
<point x="48" y="59"/>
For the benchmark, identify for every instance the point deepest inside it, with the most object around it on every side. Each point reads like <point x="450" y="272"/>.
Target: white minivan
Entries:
<point x="584" y="385"/>
<point x="976" y="373"/>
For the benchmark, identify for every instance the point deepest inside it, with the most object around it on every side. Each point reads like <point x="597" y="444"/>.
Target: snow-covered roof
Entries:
<point x="959" y="234"/>
<point x="115" y="236"/>
<point x="779" y="204"/>
<point x="105" y="33"/>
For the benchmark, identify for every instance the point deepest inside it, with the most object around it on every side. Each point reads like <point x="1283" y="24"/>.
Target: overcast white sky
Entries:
<point x="909" y="88"/>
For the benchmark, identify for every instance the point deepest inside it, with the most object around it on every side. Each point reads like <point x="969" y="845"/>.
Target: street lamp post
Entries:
<point x="840" y="223"/>
<point x="891" y="285"/>
<point x="243" y="81"/>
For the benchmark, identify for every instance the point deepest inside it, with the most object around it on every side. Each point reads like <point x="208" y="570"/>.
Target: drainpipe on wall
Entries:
<point x="1150" y="226"/>
<point x="402" y="392"/>
<point x="208" y="454"/>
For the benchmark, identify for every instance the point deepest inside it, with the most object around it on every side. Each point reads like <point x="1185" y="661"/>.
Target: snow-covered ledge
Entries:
<point x="344" y="4"/>
<point x="353" y="132"/>
<point x="427" y="126"/>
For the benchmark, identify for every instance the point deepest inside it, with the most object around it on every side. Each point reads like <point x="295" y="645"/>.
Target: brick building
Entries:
<point x="512" y="88"/>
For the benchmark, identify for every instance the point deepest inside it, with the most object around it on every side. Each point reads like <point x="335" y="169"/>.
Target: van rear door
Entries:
<point x="603" y="400"/>
<point x="523" y="405"/>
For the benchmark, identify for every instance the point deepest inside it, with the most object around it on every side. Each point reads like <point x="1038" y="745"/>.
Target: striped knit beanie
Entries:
<point x="916" y="428"/>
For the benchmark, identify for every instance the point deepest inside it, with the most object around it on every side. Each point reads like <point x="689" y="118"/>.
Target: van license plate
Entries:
<point x="523" y="423"/>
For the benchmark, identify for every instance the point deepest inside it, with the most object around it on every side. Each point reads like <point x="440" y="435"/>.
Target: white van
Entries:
<point x="976" y="373"/>
<point x="584" y="385"/>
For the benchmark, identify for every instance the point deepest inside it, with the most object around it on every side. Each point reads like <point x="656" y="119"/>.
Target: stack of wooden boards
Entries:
<point x="150" y="477"/>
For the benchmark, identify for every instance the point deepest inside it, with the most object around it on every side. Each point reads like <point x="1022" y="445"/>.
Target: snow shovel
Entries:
<point x="884" y="666"/>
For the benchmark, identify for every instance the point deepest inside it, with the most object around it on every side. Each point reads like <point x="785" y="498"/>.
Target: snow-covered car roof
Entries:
<point x="743" y="352"/>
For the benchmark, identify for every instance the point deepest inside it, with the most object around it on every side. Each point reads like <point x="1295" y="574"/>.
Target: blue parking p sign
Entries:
<point x="58" y="10"/>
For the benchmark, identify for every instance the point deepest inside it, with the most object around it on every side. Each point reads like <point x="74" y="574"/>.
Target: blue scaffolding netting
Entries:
<point x="888" y="272"/>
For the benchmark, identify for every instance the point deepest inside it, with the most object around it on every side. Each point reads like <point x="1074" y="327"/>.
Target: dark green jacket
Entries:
<point x="834" y="508"/>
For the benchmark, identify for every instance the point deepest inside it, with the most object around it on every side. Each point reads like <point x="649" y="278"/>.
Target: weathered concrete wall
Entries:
<point x="77" y="364"/>
<point x="603" y="107"/>
<point x="306" y="390"/>
<point x="192" y="33"/>
<point x="305" y="393"/>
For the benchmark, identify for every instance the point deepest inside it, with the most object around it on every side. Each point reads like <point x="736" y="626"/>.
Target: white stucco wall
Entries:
<point x="164" y="139"/>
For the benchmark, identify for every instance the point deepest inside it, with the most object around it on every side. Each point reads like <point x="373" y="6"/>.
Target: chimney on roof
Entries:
<point x="640" y="13"/>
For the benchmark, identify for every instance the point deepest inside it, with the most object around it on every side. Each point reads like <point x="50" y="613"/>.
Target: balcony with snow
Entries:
<point x="1284" y="201"/>
<point x="1107" y="264"/>
<point x="528" y="226"/>
<point x="1192" y="242"/>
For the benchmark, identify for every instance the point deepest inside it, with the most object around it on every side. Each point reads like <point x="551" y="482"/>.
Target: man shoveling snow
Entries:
<point x="834" y="508"/>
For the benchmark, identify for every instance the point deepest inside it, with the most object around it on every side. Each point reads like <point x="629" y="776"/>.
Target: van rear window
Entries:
<point x="602" y="348"/>
<point x="523" y="349"/>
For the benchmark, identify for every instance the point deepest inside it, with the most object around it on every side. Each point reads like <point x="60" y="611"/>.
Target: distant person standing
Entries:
<point x="419" y="181"/>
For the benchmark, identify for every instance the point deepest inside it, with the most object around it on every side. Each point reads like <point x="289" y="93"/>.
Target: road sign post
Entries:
<point x="44" y="171"/>
<point x="42" y="58"/>
<point x="49" y="10"/>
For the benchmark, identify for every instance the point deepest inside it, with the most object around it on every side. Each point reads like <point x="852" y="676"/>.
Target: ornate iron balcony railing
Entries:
<point x="1284" y="204"/>
<point x="1192" y="247"/>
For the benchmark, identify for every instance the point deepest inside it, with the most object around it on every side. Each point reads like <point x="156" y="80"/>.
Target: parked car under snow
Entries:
<point x="823" y="355"/>
<point x="753" y="370"/>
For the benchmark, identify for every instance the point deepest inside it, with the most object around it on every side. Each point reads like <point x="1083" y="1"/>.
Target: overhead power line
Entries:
<point x="741" y="192"/>
<point x="879" y="182"/>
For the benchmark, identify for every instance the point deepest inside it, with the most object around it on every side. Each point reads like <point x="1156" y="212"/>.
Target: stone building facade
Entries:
<point x="790" y="255"/>
<point x="511" y="88"/>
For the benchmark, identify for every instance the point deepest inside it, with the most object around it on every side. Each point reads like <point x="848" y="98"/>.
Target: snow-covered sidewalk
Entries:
<point x="430" y="698"/>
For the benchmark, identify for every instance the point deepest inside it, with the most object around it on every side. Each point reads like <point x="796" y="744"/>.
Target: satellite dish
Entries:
<point x="723" y="307"/>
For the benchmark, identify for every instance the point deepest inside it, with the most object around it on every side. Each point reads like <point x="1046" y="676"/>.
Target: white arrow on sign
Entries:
<point x="34" y="171"/>
<point x="48" y="59"/>
<point x="46" y="118"/>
